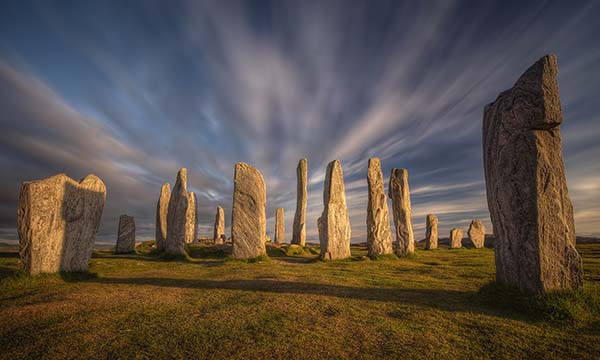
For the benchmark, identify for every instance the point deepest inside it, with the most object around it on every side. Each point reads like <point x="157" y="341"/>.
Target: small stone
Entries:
<point x="219" y="229"/>
<point x="334" y="223"/>
<point x="526" y="185"/>
<point x="476" y="233"/>
<point x="299" y="228"/>
<point x="431" y="232"/>
<point x="400" y="195"/>
<point x="279" y="227"/>
<point x="456" y="236"/>
<point x="126" y="235"/>
<point x="162" y="209"/>
<point x="248" y="215"/>
<point x="379" y="237"/>
<point x="57" y="222"/>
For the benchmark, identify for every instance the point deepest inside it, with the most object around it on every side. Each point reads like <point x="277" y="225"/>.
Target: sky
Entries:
<point x="132" y="91"/>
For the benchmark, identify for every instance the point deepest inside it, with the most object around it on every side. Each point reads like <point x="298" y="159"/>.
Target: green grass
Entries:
<point x="436" y="305"/>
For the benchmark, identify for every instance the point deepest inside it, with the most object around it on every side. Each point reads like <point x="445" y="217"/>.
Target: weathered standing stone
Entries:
<point x="400" y="195"/>
<point x="456" y="236"/>
<point x="177" y="216"/>
<point x="126" y="235"/>
<point x="334" y="223"/>
<point x="219" y="229"/>
<point x="57" y="222"/>
<point x="248" y="215"/>
<point x="527" y="194"/>
<point x="379" y="237"/>
<point x="299" y="228"/>
<point x="476" y="233"/>
<point x="162" y="208"/>
<point x="431" y="232"/>
<point x="279" y="227"/>
<point x="191" y="219"/>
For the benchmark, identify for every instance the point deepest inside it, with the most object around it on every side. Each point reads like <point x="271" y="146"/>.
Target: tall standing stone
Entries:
<point x="334" y="223"/>
<point x="299" y="228"/>
<point x="456" y="236"/>
<point x="162" y="209"/>
<point x="431" y="232"/>
<point x="178" y="215"/>
<point x="126" y="235"/>
<point x="219" y="230"/>
<point x="248" y="215"/>
<point x="379" y="237"/>
<point x="191" y="219"/>
<point x="476" y="233"/>
<point x="527" y="194"/>
<point x="57" y="222"/>
<point x="279" y="227"/>
<point x="400" y="195"/>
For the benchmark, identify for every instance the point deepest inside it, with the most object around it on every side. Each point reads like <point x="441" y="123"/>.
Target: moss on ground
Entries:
<point x="437" y="305"/>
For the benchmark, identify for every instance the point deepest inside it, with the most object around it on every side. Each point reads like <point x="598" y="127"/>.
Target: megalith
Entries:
<point x="299" y="227"/>
<point x="126" y="235"/>
<point x="248" y="215"/>
<point x="476" y="233"/>
<point x="191" y="219"/>
<point x="219" y="228"/>
<point x="527" y="194"/>
<point x="334" y="223"/>
<point x="279" y="227"/>
<point x="162" y="209"/>
<point x="57" y="222"/>
<point x="400" y="195"/>
<point x="379" y="237"/>
<point x="178" y="216"/>
<point x="456" y="236"/>
<point x="431" y="232"/>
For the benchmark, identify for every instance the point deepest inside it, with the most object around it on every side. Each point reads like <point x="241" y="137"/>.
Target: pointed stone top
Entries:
<point x="219" y="208"/>
<point x="166" y="185"/>
<point x="181" y="179"/>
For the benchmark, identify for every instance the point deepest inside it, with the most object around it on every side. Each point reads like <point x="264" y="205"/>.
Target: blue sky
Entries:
<point x="134" y="90"/>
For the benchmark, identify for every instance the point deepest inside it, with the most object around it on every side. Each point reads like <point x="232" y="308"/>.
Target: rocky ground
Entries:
<point x="436" y="304"/>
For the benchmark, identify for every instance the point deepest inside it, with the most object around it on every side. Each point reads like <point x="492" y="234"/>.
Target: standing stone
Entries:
<point x="334" y="223"/>
<point x="476" y="233"/>
<point x="191" y="219"/>
<point x="299" y="229"/>
<point x="456" y="236"/>
<point x="431" y="232"/>
<point x="400" y="195"/>
<point x="248" y="215"/>
<point x="126" y="235"/>
<point x="177" y="216"/>
<point x="279" y="227"/>
<point x="162" y="208"/>
<point x="527" y="194"/>
<point x="57" y="222"/>
<point x="219" y="231"/>
<point x="379" y="237"/>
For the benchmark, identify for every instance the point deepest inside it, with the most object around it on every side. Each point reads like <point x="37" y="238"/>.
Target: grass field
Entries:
<point x="439" y="304"/>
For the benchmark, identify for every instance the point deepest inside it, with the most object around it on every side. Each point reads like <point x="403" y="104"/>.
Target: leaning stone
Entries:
<point x="400" y="195"/>
<point x="177" y="216"/>
<point x="527" y="194"/>
<point x="431" y="232"/>
<point x="334" y="223"/>
<point x="279" y="227"/>
<point x="219" y="229"/>
<point x="299" y="228"/>
<point x="456" y="236"/>
<point x="57" y="222"/>
<point x="379" y="237"/>
<point x="476" y="233"/>
<point x="162" y="208"/>
<point x="126" y="235"/>
<point x="248" y="216"/>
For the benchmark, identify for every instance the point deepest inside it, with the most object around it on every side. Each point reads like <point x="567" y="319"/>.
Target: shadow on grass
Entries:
<point x="481" y="302"/>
